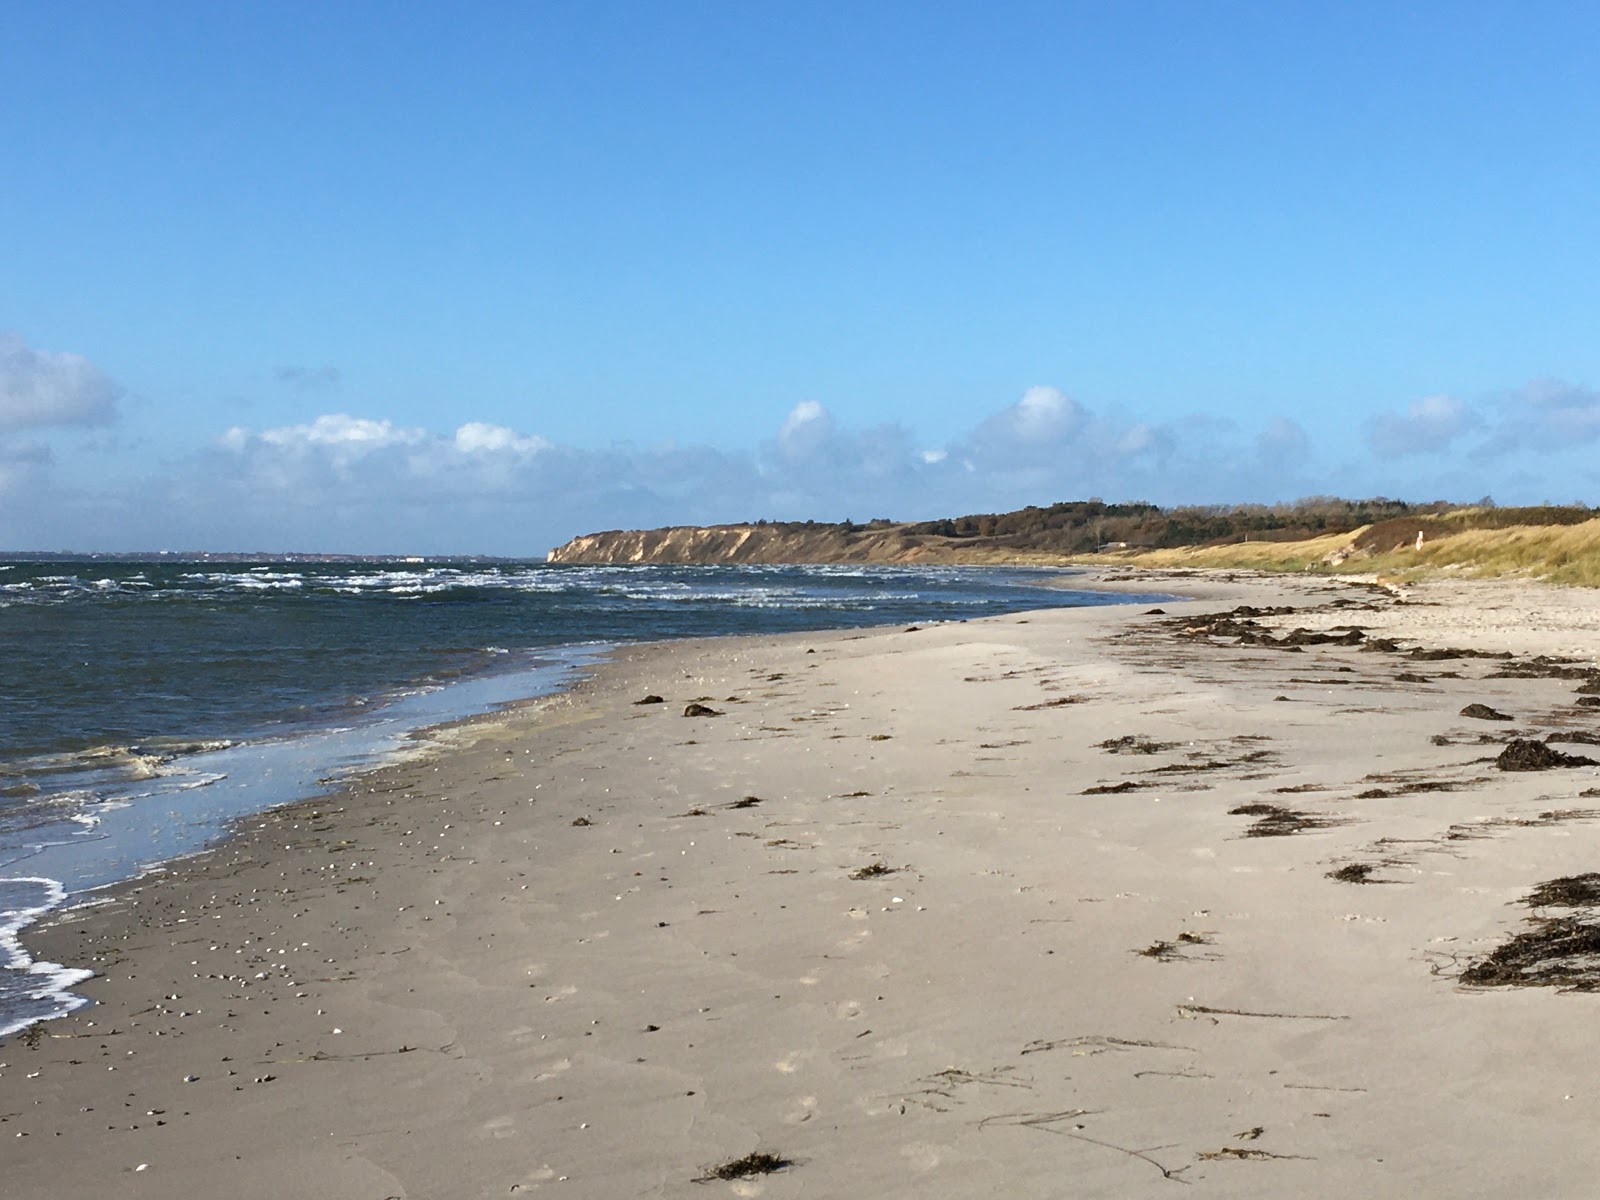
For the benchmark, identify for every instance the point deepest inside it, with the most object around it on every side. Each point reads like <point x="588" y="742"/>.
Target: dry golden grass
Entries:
<point x="1567" y="554"/>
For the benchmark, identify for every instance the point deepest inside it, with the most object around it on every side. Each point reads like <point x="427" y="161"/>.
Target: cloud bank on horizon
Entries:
<point x="342" y="482"/>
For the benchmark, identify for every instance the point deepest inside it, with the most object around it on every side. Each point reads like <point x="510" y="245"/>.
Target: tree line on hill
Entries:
<point x="1084" y="526"/>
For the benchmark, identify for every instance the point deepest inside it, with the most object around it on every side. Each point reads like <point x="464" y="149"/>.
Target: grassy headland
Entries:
<point x="1560" y="544"/>
<point x="1553" y="545"/>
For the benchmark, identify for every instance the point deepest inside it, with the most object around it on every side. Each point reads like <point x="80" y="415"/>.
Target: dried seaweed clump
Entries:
<point x="1273" y="820"/>
<point x="1356" y="872"/>
<point x="1483" y="712"/>
<point x="758" y="1163"/>
<point x="1560" y="952"/>
<point x="1133" y="744"/>
<point x="873" y="870"/>
<point x="1524" y="754"/>
<point x="1569" y="891"/>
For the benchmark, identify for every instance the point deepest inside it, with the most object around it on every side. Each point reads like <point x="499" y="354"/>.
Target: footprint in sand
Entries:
<point x="922" y="1156"/>
<point x="556" y="1068"/>
<point x="499" y="1127"/>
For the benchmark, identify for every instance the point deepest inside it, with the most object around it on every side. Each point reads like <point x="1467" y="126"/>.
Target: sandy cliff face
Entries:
<point x="753" y="544"/>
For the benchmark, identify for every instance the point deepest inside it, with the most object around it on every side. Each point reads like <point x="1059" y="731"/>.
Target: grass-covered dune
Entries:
<point x="1554" y="545"/>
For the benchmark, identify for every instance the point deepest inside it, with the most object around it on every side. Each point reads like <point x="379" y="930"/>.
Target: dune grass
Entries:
<point x="1565" y="554"/>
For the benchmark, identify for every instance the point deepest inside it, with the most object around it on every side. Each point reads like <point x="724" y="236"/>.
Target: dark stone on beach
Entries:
<point x="581" y="822"/>
<point x="651" y="699"/>
<point x="913" y="628"/>
<point x="700" y="710"/>
<point x="1155" y="612"/>
<point x="1484" y="713"/>
<point x="1522" y="754"/>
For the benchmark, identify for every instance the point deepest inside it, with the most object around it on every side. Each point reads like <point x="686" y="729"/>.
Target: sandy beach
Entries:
<point x="1086" y="902"/>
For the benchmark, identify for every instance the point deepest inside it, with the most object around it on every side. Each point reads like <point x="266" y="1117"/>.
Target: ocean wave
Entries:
<point x="32" y="990"/>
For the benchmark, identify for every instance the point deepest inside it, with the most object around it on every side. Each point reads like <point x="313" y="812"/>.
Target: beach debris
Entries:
<point x="1274" y="820"/>
<point x="1115" y="789"/>
<point x="1134" y="744"/>
<point x="652" y="698"/>
<point x="1588" y="701"/>
<point x="756" y="1163"/>
<point x="1483" y="712"/>
<point x="1058" y="702"/>
<point x="1167" y="951"/>
<point x="582" y="822"/>
<point x="1569" y="891"/>
<point x="873" y="870"/>
<point x="1243" y="1152"/>
<point x="1523" y="754"/>
<point x="696" y="709"/>
<point x="1560" y="952"/>
<point x="1356" y="872"/>
<point x="1582" y="736"/>
<point x="746" y="802"/>
<point x="1155" y="612"/>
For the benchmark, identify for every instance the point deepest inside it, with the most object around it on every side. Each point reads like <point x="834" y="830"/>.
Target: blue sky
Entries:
<point x="423" y="278"/>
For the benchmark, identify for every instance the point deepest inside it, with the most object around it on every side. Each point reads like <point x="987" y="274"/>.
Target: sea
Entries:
<point x="144" y="706"/>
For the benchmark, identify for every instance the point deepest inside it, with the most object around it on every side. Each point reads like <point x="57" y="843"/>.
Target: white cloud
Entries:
<point x="1035" y="428"/>
<point x="22" y="465"/>
<point x="1550" y="414"/>
<point x="477" y="437"/>
<point x="806" y="431"/>
<point x="1283" y="441"/>
<point x="42" y="389"/>
<point x="355" y="434"/>
<point x="348" y="482"/>
<point x="1428" y="426"/>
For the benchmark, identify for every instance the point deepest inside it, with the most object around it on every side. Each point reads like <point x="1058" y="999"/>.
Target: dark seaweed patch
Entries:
<point x="1483" y="712"/>
<point x="1569" y="891"/>
<point x="1356" y="872"/>
<point x="1561" y="952"/>
<point x="759" y="1163"/>
<point x="1273" y="820"/>
<point x="1522" y="754"/>
<point x="873" y="870"/>
<point x="1133" y="744"/>
<point x="1058" y="702"/>
<point x="1581" y="736"/>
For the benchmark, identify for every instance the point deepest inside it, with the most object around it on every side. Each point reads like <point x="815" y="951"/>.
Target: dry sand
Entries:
<point x="596" y="949"/>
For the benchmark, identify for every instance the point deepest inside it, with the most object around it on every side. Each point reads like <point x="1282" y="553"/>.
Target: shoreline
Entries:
<point x="559" y="949"/>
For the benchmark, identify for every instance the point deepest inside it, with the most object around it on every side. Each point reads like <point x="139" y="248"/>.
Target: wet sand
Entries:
<point x="1038" y="906"/>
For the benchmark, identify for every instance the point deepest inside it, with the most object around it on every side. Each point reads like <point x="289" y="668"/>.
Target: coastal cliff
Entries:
<point x="787" y="543"/>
